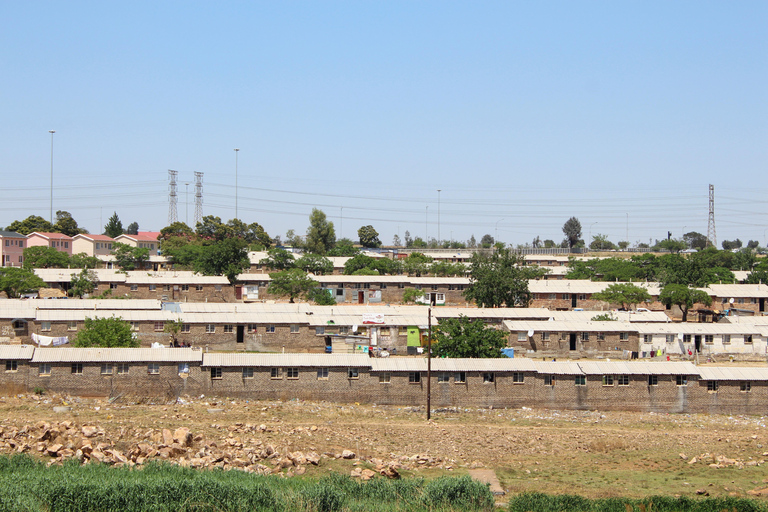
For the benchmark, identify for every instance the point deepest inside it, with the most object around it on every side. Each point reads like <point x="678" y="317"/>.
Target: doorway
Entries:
<point x="572" y="343"/>
<point x="573" y="300"/>
<point x="697" y="342"/>
<point x="240" y="333"/>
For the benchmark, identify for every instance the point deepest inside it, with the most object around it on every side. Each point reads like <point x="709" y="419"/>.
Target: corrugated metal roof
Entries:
<point x="493" y="313"/>
<point x="738" y="290"/>
<point x="419" y="364"/>
<point x="571" y="326"/>
<point x="637" y="368"/>
<point x="291" y="359"/>
<point x="733" y="373"/>
<point x="580" y="286"/>
<point x="75" y="315"/>
<point x="64" y="275"/>
<point x="16" y="351"/>
<point x="558" y="368"/>
<point x="174" y="278"/>
<point x="695" y="328"/>
<point x="621" y="316"/>
<point x="97" y="304"/>
<point x="116" y="355"/>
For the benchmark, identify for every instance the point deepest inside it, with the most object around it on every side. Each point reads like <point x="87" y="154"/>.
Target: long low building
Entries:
<point x="668" y="387"/>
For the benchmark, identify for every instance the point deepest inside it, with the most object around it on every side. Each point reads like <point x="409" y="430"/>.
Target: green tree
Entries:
<point x="418" y="243"/>
<point x="447" y="269"/>
<point x="82" y="260"/>
<point x="184" y="255"/>
<point x="472" y="243"/>
<point x="322" y="296"/>
<point x="684" y="297"/>
<point x="411" y="295"/>
<point x="396" y="241"/>
<point x="14" y="281"/>
<point x="408" y="239"/>
<point x="66" y="224"/>
<point x="278" y="259"/>
<point x="500" y="280"/>
<point x="626" y="294"/>
<point x="211" y="229"/>
<point x="601" y="243"/>
<point x="224" y="258"/>
<point x="44" y="257"/>
<point x="105" y="332"/>
<point x="464" y="337"/>
<point x="416" y="264"/>
<point x="487" y="241"/>
<point x="82" y="283"/>
<point x="369" y="237"/>
<point x="173" y="328"/>
<point x="673" y="246"/>
<point x="132" y="229"/>
<point x="321" y="237"/>
<point x="344" y="247"/>
<point x="572" y="232"/>
<point x="114" y="227"/>
<point x="31" y="224"/>
<point x="549" y="244"/>
<point x="129" y="258"/>
<point x="315" y="264"/>
<point x="365" y="265"/>
<point x="293" y="283"/>
<point x="730" y="245"/>
<point x="695" y="240"/>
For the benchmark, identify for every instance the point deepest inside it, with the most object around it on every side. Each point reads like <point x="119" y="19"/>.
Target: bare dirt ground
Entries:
<point x="581" y="452"/>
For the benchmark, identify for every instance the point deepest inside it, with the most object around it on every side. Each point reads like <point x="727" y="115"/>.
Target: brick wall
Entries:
<point x="399" y="388"/>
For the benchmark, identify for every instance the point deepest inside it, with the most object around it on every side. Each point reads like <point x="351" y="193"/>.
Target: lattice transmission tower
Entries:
<point x="711" y="234"/>
<point x="198" y="197"/>
<point x="172" y="197"/>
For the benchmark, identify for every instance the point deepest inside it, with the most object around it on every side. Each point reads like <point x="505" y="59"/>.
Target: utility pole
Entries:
<point x="198" y="197"/>
<point x="237" y="150"/>
<point x="438" y="217"/>
<point x="51" y="132"/>
<point x="172" y="197"/>
<point x="429" y="362"/>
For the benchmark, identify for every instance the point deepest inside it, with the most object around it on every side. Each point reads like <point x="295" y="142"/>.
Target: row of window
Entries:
<point x="292" y="373"/>
<point x="584" y="336"/>
<point x="740" y="300"/>
<point x="14" y="242"/>
<point x="553" y="296"/>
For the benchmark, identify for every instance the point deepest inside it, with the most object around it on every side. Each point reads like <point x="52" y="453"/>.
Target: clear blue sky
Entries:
<point x="523" y="113"/>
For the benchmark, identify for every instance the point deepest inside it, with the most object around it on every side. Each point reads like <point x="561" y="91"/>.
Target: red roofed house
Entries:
<point x="58" y="241"/>
<point x="92" y="245"/>
<point x="144" y="239"/>
<point x="12" y="248"/>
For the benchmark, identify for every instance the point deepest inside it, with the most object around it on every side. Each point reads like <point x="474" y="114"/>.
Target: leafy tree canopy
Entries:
<point x="377" y="265"/>
<point x="729" y="245"/>
<point x="601" y="243"/>
<point x="114" y="227"/>
<point x="683" y="297"/>
<point x="14" y="281"/>
<point x="105" y="332"/>
<point x="39" y="256"/>
<point x="411" y="295"/>
<point x="225" y="258"/>
<point x="695" y="240"/>
<point x="278" y="259"/>
<point x="416" y="264"/>
<point x="369" y="237"/>
<point x="487" y="241"/>
<point x="30" y="225"/>
<point x="321" y="236"/>
<point x="322" y="296"/>
<point x="500" y="280"/>
<point x="293" y="283"/>
<point x="464" y="337"/>
<point x="82" y="283"/>
<point x="626" y="294"/>
<point x="315" y="264"/>
<point x="128" y="257"/>
<point x="572" y="232"/>
<point x="447" y="269"/>
<point x="65" y="224"/>
<point x="132" y="229"/>
<point x="344" y="247"/>
<point x="82" y="260"/>
<point x="672" y="245"/>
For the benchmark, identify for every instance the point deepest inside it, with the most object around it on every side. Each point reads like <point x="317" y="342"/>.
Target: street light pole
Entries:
<point x="237" y="150"/>
<point x="496" y="231"/>
<point x="341" y="224"/>
<point x="426" y="226"/>
<point x="627" y="230"/>
<point x="590" y="233"/>
<point x="51" y="132"/>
